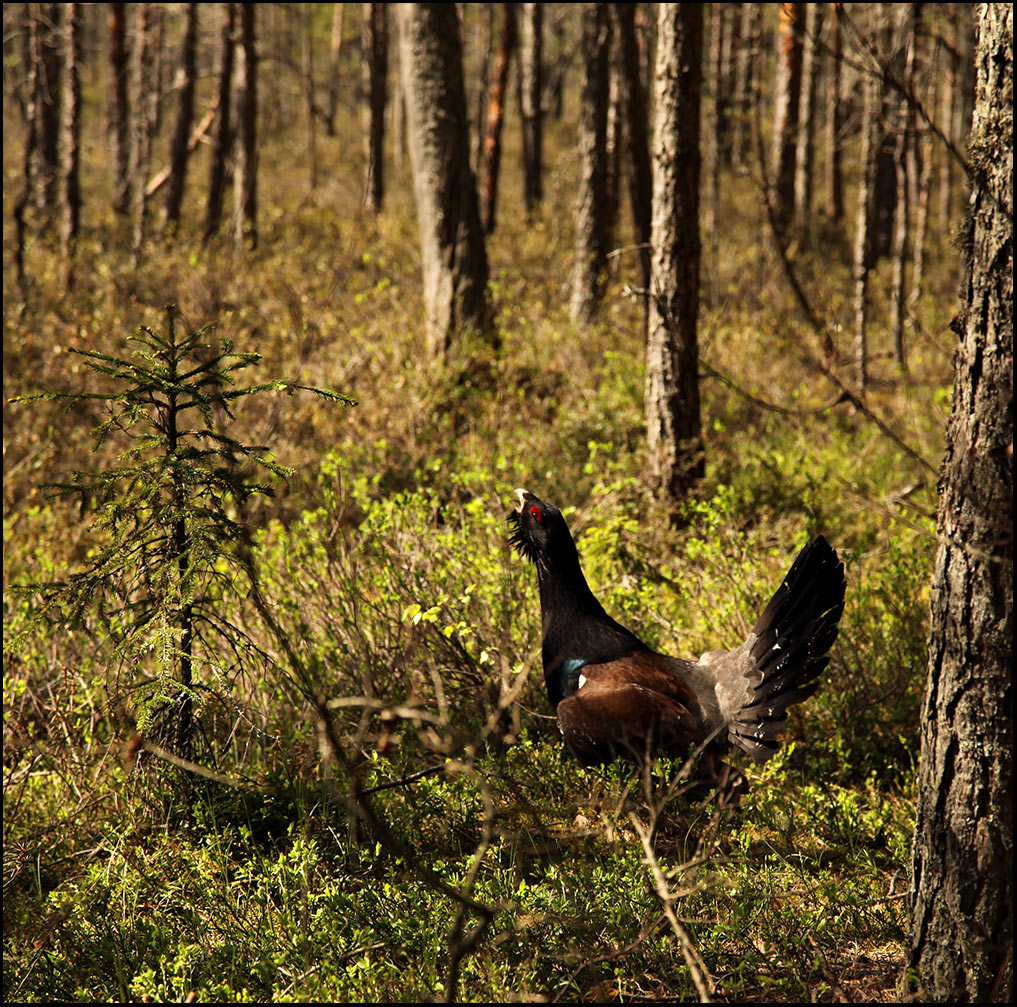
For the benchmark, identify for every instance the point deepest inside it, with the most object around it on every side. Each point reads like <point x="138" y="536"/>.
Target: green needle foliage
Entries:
<point x="170" y="541"/>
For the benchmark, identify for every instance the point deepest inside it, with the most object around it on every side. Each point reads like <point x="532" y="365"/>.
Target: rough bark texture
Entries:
<point x="531" y="84"/>
<point x="245" y="218"/>
<point x="591" y="204"/>
<point x="180" y="147"/>
<point x="672" y="355"/>
<point x="453" y="255"/>
<point x="785" y="127"/>
<point x="962" y="922"/>
<point x="375" y="61"/>
<point x="496" y="116"/>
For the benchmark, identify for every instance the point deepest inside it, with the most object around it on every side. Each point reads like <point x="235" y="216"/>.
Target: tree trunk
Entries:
<point x="397" y="110"/>
<point x="955" y="101"/>
<point x="496" y="116"/>
<point x="898" y="303"/>
<point x="905" y="170"/>
<point x="245" y="220"/>
<point x="672" y="355"/>
<point x="962" y="922"/>
<point x="834" y="119"/>
<point x="145" y="104"/>
<point x="785" y="130"/>
<point x="485" y="40"/>
<point x="557" y="68"/>
<point x="614" y="134"/>
<point x="864" y="228"/>
<point x="119" y="107"/>
<point x="375" y="57"/>
<point x="807" y="114"/>
<point x="451" y="239"/>
<point x="180" y="148"/>
<point x="223" y="143"/>
<point x="638" y="142"/>
<point x="307" y="80"/>
<point x="157" y="61"/>
<point x="22" y="203"/>
<point x="334" y="52"/>
<point x="713" y="141"/>
<point x="719" y="47"/>
<point x="744" y="67"/>
<point x="732" y="23"/>
<point x="885" y="191"/>
<point x="45" y="21"/>
<point x="70" y="105"/>
<point x="276" y="20"/>
<point x="17" y="47"/>
<point x="592" y="238"/>
<point x="923" y="166"/>
<point x="531" y="83"/>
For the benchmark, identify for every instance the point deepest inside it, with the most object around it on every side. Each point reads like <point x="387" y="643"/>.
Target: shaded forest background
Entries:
<point x="369" y="800"/>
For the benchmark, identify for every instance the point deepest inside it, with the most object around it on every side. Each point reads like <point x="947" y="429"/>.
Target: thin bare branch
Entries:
<point x="704" y="983"/>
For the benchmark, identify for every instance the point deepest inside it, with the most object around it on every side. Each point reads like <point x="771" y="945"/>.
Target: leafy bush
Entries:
<point x="389" y="794"/>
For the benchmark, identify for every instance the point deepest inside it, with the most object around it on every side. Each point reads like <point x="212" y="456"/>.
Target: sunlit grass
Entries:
<point x="385" y="562"/>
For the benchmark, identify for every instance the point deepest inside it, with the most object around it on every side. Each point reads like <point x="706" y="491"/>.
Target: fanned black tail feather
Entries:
<point x="793" y="640"/>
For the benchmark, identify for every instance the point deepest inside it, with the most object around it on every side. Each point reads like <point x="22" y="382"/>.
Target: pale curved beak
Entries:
<point x="522" y="495"/>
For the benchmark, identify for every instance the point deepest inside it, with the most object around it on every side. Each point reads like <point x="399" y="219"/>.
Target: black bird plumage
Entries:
<point x="615" y="696"/>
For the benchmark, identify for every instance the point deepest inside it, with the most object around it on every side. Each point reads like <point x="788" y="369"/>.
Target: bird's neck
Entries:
<point x="576" y="629"/>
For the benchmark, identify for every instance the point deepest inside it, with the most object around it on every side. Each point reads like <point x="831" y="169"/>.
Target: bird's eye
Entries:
<point x="535" y="514"/>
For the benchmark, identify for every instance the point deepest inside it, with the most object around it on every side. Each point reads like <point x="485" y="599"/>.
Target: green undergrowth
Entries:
<point x="421" y="628"/>
<point x="319" y="911"/>
<point x="380" y="748"/>
<point x="396" y="600"/>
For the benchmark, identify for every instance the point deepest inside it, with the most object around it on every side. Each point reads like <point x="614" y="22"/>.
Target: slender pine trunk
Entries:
<point x="180" y="147"/>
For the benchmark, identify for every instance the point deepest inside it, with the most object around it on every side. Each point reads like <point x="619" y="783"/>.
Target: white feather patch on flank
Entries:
<point x="582" y="681"/>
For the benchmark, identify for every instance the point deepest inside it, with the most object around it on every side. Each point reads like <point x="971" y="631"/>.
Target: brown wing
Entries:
<point x="631" y="707"/>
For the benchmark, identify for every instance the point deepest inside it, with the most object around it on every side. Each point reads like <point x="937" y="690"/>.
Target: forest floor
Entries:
<point x="439" y="834"/>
